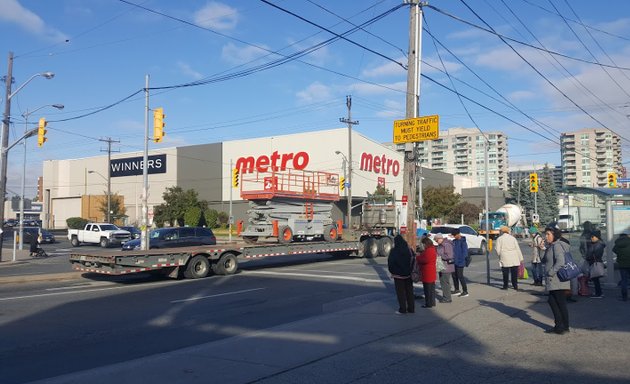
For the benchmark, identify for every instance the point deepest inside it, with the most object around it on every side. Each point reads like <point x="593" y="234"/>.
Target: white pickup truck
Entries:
<point x="104" y="234"/>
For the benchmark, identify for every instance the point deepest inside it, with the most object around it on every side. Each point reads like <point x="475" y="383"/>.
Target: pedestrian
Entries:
<point x="34" y="245"/>
<point x="426" y="259"/>
<point x="595" y="254"/>
<point x="538" y="245"/>
<point x="557" y="299"/>
<point x="585" y="238"/>
<point x="460" y="253"/>
<point x="622" y="250"/>
<point x="399" y="265"/>
<point x="445" y="252"/>
<point x="510" y="257"/>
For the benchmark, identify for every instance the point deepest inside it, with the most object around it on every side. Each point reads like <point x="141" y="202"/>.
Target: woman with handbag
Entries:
<point x="554" y="260"/>
<point x="594" y="257"/>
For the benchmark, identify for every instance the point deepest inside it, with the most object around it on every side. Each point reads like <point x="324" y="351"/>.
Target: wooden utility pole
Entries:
<point x="412" y="107"/>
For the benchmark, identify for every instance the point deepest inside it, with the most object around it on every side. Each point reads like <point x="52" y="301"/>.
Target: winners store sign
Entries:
<point x="134" y="165"/>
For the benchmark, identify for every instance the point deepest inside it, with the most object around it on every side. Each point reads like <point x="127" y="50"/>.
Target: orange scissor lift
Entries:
<point x="289" y="205"/>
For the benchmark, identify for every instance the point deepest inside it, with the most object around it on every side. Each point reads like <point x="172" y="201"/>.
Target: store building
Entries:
<point x="70" y="186"/>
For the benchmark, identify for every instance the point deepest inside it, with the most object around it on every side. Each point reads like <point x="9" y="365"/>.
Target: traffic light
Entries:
<point x="612" y="180"/>
<point x="533" y="182"/>
<point x="342" y="183"/>
<point x="235" y="175"/>
<point x="158" y="124"/>
<point x="41" y="132"/>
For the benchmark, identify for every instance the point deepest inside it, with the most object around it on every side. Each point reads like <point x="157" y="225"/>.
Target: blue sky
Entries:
<point x="101" y="50"/>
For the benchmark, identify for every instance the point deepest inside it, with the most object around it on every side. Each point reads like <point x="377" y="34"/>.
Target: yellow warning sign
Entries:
<point x="416" y="129"/>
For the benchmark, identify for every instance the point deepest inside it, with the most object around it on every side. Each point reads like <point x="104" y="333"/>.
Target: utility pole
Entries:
<point x="109" y="142"/>
<point x="144" y="237"/>
<point x="349" y="175"/>
<point x="5" y="142"/>
<point x="412" y="109"/>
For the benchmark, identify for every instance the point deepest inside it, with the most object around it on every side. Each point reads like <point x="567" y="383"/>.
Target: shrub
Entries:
<point x="76" y="222"/>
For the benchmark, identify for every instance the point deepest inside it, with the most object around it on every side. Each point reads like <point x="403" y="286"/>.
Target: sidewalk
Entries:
<point x="492" y="336"/>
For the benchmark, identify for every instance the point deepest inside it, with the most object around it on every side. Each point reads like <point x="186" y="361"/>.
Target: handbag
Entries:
<point x="596" y="270"/>
<point x="569" y="270"/>
<point x="415" y="269"/>
<point x="439" y="264"/>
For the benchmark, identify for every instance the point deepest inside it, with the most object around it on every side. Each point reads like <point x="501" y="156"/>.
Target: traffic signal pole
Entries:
<point x="412" y="106"/>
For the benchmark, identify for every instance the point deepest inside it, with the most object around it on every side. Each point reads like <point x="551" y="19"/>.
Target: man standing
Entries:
<point x="460" y="252"/>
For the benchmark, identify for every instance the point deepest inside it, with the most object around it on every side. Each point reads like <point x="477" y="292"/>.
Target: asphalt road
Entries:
<point x="52" y="328"/>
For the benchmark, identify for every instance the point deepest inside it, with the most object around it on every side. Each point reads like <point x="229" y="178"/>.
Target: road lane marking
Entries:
<point x="194" y="298"/>
<point x="59" y="293"/>
<point x="328" y="277"/>
<point x="80" y="286"/>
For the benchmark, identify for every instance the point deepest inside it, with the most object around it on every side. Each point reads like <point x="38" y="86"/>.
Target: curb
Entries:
<point x="40" y="277"/>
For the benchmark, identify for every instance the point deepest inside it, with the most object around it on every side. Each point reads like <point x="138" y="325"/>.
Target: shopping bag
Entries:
<point x="522" y="271"/>
<point x="583" y="289"/>
<point x="596" y="270"/>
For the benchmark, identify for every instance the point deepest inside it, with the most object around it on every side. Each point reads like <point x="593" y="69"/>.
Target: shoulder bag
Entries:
<point x="569" y="270"/>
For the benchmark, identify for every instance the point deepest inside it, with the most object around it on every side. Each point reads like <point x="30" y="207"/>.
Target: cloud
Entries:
<point x="394" y="109"/>
<point x="217" y="16"/>
<point x="387" y="69"/>
<point x="13" y="12"/>
<point x="188" y="71"/>
<point x="314" y="93"/>
<point x="517" y="96"/>
<point x="238" y="55"/>
<point x="371" y="89"/>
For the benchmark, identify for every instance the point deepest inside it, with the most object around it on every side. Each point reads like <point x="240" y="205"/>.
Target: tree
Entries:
<point x="547" y="197"/>
<point x="176" y="203"/>
<point x="469" y="210"/>
<point x="439" y="202"/>
<point x="192" y="217"/>
<point x="116" y="205"/>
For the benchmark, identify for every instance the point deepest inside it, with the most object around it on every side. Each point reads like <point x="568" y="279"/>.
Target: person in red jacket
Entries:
<point x="428" y="271"/>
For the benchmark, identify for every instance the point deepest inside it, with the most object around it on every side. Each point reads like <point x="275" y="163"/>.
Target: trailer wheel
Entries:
<point x="104" y="243"/>
<point x="197" y="268"/>
<point x="385" y="246"/>
<point x="330" y="233"/>
<point x="369" y="248"/>
<point x="250" y="239"/>
<point x="75" y="241"/>
<point x="285" y="234"/>
<point x="226" y="265"/>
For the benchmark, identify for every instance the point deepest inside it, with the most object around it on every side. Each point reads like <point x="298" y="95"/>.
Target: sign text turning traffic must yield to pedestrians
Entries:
<point x="416" y="129"/>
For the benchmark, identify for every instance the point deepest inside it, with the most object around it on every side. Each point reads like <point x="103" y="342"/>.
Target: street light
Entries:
<point x="25" y="115"/>
<point x="348" y="195"/>
<point x="109" y="195"/>
<point x="5" y="131"/>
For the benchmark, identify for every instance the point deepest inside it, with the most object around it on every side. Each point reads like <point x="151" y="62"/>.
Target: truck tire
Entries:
<point x="385" y="245"/>
<point x="285" y="234"/>
<point x="75" y="241"/>
<point x="330" y="233"/>
<point x="104" y="243"/>
<point x="226" y="265"/>
<point x="198" y="267"/>
<point x="370" y="248"/>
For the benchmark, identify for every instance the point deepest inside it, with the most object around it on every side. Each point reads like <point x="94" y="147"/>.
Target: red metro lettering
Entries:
<point x="379" y="164"/>
<point x="277" y="162"/>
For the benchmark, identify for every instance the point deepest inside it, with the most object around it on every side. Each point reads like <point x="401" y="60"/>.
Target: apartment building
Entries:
<point x="588" y="155"/>
<point x="460" y="151"/>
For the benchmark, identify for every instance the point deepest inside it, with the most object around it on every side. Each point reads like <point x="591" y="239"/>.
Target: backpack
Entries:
<point x="415" y="268"/>
<point x="569" y="270"/>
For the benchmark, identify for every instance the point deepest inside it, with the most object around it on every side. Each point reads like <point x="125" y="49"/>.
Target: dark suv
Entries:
<point x="175" y="237"/>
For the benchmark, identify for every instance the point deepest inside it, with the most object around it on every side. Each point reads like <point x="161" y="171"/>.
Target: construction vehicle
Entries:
<point x="508" y="215"/>
<point x="372" y="237"/>
<point x="290" y="205"/>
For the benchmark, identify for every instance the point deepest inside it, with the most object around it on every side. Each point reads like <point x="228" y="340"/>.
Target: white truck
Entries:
<point x="104" y="234"/>
<point x="571" y="218"/>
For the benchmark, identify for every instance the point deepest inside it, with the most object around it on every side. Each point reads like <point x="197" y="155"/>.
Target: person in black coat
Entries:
<point x="595" y="254"/>
<point x="399" y="265"/>
<point x="34" y="245"/>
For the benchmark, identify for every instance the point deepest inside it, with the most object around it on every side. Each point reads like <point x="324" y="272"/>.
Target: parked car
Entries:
<point x="29" y="232"/>
<point x="175" y="237"/>
<point x="10" y="223"/>
<point x="135" y="232"/>
<point x="476" y="243"/>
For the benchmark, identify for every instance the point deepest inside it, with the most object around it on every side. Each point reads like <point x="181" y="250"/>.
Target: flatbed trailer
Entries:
<point x="199" y="262"/>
